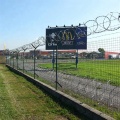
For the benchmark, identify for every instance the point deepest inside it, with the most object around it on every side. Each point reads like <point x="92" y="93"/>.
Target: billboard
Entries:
<point x="66" y="38"/>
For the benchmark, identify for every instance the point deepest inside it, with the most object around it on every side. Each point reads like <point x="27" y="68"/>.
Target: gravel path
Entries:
<point x="102" y="92"/>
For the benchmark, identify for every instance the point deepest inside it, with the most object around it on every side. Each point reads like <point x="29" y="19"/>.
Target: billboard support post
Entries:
<point x="56" y="68"/>
<point x="76" y="58"/>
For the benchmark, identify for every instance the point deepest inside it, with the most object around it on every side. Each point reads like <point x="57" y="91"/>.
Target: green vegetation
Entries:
<point x="102" y="70"/>
<point x="21" y="100"/>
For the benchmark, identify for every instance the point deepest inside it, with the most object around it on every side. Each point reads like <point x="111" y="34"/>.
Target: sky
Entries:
<point x="23" y="21"/>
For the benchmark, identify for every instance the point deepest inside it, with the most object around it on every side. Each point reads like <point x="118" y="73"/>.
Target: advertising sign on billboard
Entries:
<point x="66" y="38"/>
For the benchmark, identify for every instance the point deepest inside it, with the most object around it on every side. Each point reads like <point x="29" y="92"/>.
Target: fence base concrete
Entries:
<point x="79" y="107"/>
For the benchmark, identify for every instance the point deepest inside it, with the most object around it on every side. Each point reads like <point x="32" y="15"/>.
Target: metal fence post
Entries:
<point x="13" y="59"/>
<point x="34" y="62"/>
<point x="56" y="69"/>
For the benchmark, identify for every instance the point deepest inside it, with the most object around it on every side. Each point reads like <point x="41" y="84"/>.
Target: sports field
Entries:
<point x="103" y="70"/>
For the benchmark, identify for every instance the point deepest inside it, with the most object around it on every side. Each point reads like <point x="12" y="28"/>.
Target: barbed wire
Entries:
<point x="110" y="22"/>
<point x="39" y="42"/>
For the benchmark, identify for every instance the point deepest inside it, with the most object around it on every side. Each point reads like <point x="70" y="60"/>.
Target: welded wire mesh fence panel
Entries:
<point x="97" y="79"/>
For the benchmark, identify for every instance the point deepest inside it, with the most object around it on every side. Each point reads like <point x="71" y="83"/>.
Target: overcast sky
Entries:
<point x="23" y="21"/>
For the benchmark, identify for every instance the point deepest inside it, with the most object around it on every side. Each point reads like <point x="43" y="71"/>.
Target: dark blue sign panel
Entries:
<point x="66" y="38"/>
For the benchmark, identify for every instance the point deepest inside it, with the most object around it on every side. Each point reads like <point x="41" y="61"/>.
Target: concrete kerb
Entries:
<point x="79" y="107"/>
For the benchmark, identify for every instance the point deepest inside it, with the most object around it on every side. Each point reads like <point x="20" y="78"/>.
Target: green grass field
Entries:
<point x="21" y="100"/>
<point x="103" y="70"/>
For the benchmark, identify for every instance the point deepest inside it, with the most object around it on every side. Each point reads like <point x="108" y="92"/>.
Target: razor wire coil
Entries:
<point x="110" y="22"/>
